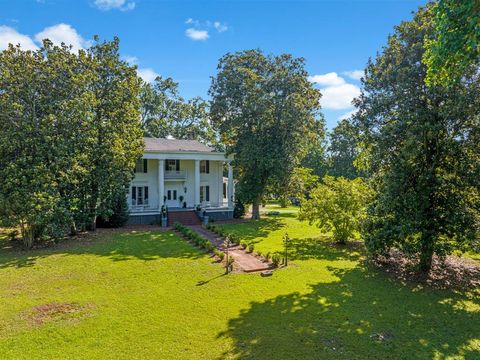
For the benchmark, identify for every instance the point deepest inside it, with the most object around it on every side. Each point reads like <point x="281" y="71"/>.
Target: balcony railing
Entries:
<point x="214" y="204"/>
<point x="172" y="174"/>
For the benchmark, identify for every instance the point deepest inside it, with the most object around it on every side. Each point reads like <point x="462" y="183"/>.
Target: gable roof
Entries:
<point x="174" y="145"/>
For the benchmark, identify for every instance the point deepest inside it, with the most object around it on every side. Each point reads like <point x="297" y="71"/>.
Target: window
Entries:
<point x="139" y="195"/>
<point x="224" y="190"/>
<point x="204" y="193"/>
<point x="204" y="166"/>
<point x="141" y="166"/>
<point x="172" y="195"/>
<point x="172" y="165"/>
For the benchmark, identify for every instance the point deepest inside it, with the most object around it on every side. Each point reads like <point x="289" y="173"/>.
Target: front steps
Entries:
<point x="187" y="218"/>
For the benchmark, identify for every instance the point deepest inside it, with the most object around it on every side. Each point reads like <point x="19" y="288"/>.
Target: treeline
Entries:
<point x="415" y="139"/>
<point x="412" y="147"/>
<point x="70" y="135"/>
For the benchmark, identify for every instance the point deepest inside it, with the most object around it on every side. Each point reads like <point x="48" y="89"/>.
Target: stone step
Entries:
<point x="183" y="217"/>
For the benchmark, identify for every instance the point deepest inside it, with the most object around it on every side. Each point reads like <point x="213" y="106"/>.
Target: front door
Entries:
<point x="172" y="193"/>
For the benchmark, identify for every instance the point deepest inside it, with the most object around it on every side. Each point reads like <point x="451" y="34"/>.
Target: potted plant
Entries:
<point x="180" y="198"/>
<point x="164" y="216"/>
<point x="184" y="204"/>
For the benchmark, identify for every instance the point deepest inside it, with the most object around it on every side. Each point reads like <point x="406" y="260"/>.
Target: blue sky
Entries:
<point x="185" y="39"/>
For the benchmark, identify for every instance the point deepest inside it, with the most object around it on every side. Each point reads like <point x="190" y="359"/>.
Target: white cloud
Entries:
<point x="131" y="60"/>
<point x="191" y="21"/>
<point x="147" y="74"/>
<point x="354" y="74"/>
<point x="195" y="34"/>
<point x="220" y="27"/>
<point x="347" y="115"/>
<point x="329" y="79"/>
<point x="121" y="5"/>
<point x="339" y="97"/>
<point x="9" y="35"/>
<point x="63" y="33"/>
<point x="337" y="94"/>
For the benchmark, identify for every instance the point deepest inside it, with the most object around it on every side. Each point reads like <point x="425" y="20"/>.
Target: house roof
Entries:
<point x="174" y="145"/>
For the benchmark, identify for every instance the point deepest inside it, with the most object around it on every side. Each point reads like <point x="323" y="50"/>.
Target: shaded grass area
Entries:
<point x="149" y="294"/>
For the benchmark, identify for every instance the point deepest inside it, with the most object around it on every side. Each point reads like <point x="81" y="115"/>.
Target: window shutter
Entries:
<point x="145" y="163"/>
<point x="146" y="193"/>
<point x="207" y="196"/>
<point x="177" y="163"/>
<point x="134" y="194"/>
<point x="207" y="165"/>
<point x="166" y="165"/>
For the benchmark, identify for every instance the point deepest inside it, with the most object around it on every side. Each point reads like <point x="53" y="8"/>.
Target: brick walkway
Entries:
<point x="245" y="261"/>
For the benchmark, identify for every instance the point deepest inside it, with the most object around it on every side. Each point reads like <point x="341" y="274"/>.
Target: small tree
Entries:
<point x="337" y="205"/>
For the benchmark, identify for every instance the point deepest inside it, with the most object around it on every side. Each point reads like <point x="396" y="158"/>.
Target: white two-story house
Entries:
<point x="183" y="175"/>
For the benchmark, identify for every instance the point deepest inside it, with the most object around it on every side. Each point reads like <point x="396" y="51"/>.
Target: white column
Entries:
<point x="161" y="182"/>
<point x="197" y="183"/>
<point x="230" y="185"/>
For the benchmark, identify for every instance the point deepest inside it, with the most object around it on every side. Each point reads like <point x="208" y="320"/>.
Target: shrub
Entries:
<point x="117" y="213"/>
<point x="239" y="209"/>
<point x="231" y="260"/>
<point x="234" y="239"/>
<point x="251" y="247"/>
<point x="220" y="254"/>
<point x="267" y="256"/>
<point x="243" y="244"/>
<point x="276" y="259"/>
<point x="259" y="253"/>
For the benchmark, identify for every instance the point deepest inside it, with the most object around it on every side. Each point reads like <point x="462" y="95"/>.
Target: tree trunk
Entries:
<point x="256" y="208"/>
<point x="426" y="252"/>
<point x="92" y="210"/>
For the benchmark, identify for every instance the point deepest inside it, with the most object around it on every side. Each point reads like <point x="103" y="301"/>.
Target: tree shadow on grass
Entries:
<point x="364" y="315"/>
<point x="322" y="248"/>
<point x="254" y="229"/>
<point x="118" y="245"/>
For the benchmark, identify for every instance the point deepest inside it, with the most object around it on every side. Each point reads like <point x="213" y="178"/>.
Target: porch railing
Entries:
<point x="173" y="174"/>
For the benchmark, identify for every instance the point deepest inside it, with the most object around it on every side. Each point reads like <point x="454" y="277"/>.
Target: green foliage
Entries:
<point x="453" y="44"/>
<point x="267" y="256"/>
<point x="299" y="185"/>
<point x="116" y="212"/>
<point x="165" y="113"/>
<point x="276" y="259"/>
<point x="243" y="244"/>
<point x="343" y="151"/>
<point x="316" y="157"/>
<point x="239" y="209"/>
<point x="219" y="254"/>
<point x="194" y="237"/>
<point x="423" y="150"/>
<point x="251" y="247"/>
<point x="337" y="205"/>
<point x="264" y="105"/>
<point x="67" y="144"/>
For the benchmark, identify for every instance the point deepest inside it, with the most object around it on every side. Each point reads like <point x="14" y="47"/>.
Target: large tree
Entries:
<point x="115" y="134"/>
<point x="69" y="136"/>
<point x="423" y="149"/>
<point x="455" y="44"/>
<point x="266" y="112"/>
<point x="165" y="113"/>
<point x="343" y="150"/>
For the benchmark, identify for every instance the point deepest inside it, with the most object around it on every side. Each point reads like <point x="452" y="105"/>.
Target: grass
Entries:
<point x="148" y="294"/>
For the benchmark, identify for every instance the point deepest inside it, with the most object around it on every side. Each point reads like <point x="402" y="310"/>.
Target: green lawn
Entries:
<point x="149" y="294"/>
